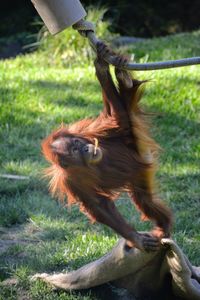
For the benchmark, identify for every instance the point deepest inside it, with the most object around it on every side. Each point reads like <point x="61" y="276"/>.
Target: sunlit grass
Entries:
<point x="36" y="95"/>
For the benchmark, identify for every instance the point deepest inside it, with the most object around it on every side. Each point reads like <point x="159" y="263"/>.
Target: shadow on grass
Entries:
<point x="63" y="86"/>
<point x="83" y="87"/>
<point x="74" y="95"/>
<point x="7" y="94"/>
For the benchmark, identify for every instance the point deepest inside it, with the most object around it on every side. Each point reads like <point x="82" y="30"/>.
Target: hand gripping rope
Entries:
<point x="60" y="14"/>
<point x="87" y="29"/>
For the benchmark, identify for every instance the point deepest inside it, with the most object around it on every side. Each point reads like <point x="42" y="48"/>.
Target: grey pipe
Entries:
<point x="59" y="14"/>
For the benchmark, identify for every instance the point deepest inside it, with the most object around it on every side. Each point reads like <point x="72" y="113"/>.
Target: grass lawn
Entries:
<point x="36" y="233"/>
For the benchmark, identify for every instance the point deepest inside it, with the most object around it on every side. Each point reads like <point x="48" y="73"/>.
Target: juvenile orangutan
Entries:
<point x="94" y="160"/>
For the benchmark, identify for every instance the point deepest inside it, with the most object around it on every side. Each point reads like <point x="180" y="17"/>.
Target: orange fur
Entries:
<point x="128" y="164"/>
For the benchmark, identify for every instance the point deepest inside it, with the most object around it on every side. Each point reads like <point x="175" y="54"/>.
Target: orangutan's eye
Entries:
<point x="75" y="150"/>
<point x="77" y="143"/>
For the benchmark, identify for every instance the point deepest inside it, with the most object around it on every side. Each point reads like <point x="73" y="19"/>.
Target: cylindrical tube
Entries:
<point x="59" y="14"/>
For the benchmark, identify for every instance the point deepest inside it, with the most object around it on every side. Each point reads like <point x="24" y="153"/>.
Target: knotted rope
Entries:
<point x="87" y="29"/>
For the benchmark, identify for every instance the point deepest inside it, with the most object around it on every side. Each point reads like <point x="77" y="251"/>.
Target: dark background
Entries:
<point x="142" y="18"/>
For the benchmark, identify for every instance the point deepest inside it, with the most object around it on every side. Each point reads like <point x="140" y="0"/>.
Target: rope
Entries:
<point x="87" y="29"/>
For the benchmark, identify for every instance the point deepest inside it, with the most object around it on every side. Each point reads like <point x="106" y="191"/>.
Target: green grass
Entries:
<point x="36" y="95"/>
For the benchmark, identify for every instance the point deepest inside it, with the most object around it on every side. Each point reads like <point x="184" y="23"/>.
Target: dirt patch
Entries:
<point x="11" y="284"/>
<point x="17" y="235"/>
